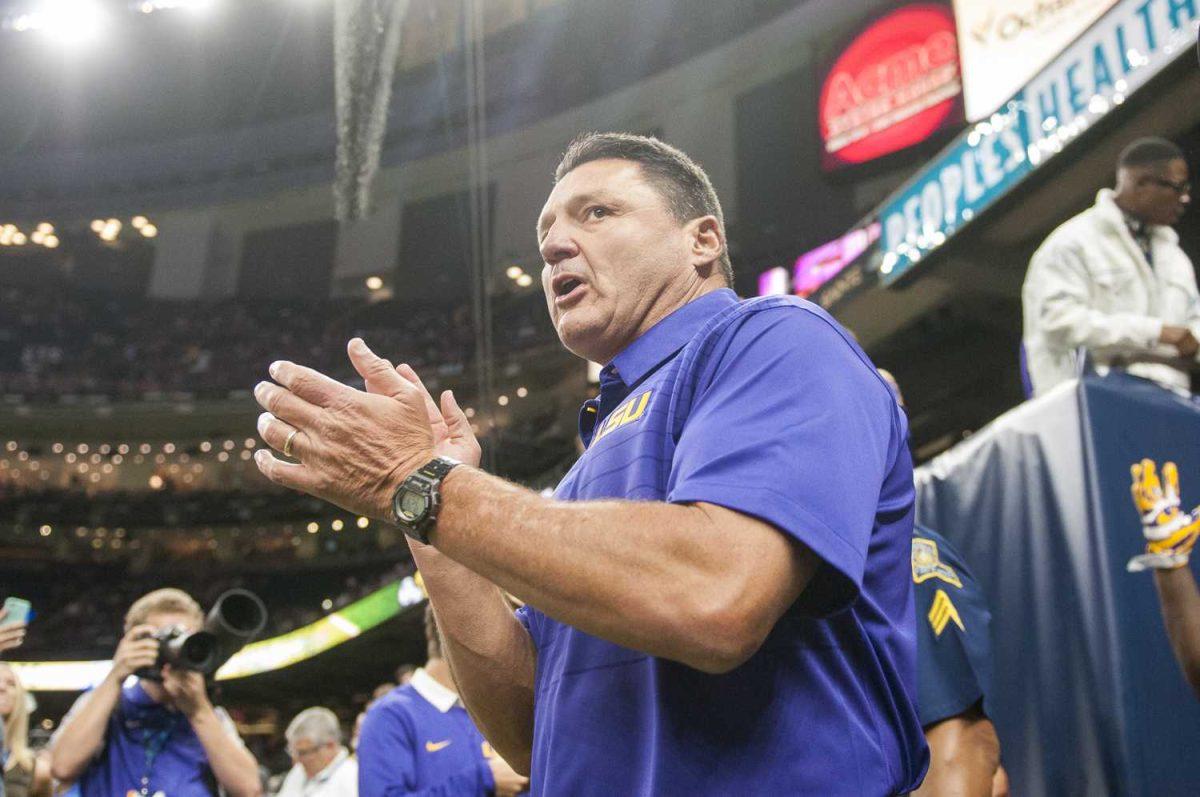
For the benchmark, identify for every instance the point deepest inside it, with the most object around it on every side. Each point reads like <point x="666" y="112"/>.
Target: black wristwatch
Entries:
<point x="416" y="502"/>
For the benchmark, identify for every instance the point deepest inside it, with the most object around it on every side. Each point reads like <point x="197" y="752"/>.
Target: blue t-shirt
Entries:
<point x="150" y="746"/>
<point x="409" y="747"/>
<point x="766" y="407"/>
<point x="954" y="647"/>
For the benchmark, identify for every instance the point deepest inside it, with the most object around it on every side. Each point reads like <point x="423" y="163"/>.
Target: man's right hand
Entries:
<point x="508" y="782"/>
<point x="452" y="435"/>
<point x="1181" y="338"/>
<point x="137" y="649"/>
<point x="11" y="636"/>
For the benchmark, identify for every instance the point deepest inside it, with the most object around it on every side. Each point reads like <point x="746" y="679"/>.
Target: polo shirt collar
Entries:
<point x="442" y="698"/>
<point x="669" y="336"/>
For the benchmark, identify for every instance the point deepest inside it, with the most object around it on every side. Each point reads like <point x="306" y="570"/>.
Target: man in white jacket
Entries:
<point x="1114" y="279"/>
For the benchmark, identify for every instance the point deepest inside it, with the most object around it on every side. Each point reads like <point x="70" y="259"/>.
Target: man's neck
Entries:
<point x="1122" y="202"/>
<point x="439" y="670"/>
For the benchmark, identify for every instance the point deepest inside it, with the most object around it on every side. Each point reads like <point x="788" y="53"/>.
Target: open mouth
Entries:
<point x="564" y="287"/>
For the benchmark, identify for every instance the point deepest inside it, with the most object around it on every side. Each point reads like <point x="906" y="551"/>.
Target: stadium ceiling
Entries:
<point x="160" y="76"/>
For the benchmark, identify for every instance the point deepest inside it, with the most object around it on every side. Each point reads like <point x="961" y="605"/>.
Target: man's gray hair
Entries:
<point x="318" y="725"/>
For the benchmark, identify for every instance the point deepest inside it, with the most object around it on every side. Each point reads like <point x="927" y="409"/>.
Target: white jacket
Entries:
<point x="1089" y="285"/>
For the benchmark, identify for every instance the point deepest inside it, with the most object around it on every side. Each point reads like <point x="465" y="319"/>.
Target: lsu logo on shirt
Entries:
<point x="629" y="412"/>
<point x="927" y="565"/>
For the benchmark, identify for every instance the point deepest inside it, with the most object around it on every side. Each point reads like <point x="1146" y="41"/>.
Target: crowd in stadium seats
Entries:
<point x="82" y="616"/>
<point x="54" y="343"/>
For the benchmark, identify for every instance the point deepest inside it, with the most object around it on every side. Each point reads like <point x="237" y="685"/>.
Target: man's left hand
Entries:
<point x="186" y="689"/>
<point x="354" y="448"/>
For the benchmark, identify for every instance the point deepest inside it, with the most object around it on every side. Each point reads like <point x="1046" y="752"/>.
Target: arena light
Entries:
<point x="19" y="238"/>
<point x="45" y="227"/>
<point x="522" y="392"/>
<point x="68" y="22"/>
<point x="138" y="222"/>
<point x="38" y="237"/>
<point x="149" y="230"/>
<point x="514" y="272"/>
<point x="524" y="280"/>
<point x="374" y="283"/>
<point x="97" y="226"/>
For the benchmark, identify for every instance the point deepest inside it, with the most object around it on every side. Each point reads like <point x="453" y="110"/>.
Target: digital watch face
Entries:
<point x="412" y="505"/>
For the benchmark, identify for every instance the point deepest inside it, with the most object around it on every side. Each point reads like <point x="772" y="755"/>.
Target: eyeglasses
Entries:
<point x="297" y="752"/>
<point x="1182" y="188"/>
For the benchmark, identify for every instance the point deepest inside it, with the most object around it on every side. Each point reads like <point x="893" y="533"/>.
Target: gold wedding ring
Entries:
<point x="287" y="444"/>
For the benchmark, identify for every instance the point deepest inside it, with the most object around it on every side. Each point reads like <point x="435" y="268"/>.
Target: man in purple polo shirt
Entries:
<point x="718" y="595"/>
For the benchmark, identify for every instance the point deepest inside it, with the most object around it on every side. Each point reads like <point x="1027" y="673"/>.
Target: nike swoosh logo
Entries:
<point x="433" y="747"/>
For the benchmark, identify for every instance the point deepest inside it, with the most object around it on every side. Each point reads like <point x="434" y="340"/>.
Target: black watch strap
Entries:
<point x="438" y="467"/>
<point x="426" y="481"/>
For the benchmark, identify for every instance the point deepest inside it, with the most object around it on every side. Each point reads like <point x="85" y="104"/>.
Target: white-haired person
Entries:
<point x="25" y="775"/>
<point x="322" y="767"/>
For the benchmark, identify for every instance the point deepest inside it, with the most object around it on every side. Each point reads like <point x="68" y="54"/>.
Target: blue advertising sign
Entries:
<point x="970" y="176"/>
<point x="1116" y="56"/>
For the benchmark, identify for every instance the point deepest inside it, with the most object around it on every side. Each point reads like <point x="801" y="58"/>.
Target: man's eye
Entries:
<point x="597" y="212"/>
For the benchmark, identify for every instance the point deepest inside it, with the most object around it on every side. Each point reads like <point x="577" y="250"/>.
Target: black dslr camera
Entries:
<point x="236" y="618"/>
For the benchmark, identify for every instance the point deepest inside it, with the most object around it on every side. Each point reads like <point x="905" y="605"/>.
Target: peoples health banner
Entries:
<point x="1120" y="53"/>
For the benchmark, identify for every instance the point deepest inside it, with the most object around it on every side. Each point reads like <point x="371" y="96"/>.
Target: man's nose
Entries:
<point x="558" y="245"/>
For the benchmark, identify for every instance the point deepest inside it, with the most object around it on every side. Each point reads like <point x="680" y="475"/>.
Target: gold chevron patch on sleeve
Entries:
<point x="942" y="612"/>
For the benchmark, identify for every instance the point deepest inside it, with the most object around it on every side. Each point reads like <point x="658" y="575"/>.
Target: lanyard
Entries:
<point x="153" y="743"/>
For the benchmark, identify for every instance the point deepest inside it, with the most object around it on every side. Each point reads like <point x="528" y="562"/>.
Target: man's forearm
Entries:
<point x="490" y="653"/>
<point x="232" y="764"/>
<point x="82" y="736"/>
<point x="670" y="580"/>
<point x="964" y="756"/>
<point x="1180" y="600"/>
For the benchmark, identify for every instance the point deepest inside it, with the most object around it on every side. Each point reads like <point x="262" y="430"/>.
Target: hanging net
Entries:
<point x="366" y="43"/>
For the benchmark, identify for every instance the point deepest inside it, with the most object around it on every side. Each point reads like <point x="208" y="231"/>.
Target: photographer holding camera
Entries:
<point x="158" y="733"/>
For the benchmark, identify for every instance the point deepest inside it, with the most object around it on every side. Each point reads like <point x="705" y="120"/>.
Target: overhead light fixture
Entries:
<point x="66" y="21"/>
<point x="51" y="242"/>
<point x="374" y="283"/>
<point x="97" y="225"/>
<point x="37" y="237"/>
<point x="514" y="271"/>
<point x="524" y="280"/>
<point x="45" y="228"/>
<point x="138" y="222"/>
<point x="149" y="230"/>
<point x="19" y="239"/>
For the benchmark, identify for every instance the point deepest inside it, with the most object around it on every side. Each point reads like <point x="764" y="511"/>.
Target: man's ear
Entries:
<point x="707" y="240"/>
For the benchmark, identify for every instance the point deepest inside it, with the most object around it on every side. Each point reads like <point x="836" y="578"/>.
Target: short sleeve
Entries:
<point x="228" y="724"/>
<point x="531" y="620"/>
<point x="948" y="683"/>
<point x="790" y="424"/>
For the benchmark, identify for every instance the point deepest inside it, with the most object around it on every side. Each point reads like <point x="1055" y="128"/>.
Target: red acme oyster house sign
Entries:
<point x="896" y="84"/>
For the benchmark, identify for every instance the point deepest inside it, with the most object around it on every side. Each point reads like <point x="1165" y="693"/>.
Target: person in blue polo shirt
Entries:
<point x="419" y="740"/>
<point x="717" y="596"/>
<point x="139" y="737"/>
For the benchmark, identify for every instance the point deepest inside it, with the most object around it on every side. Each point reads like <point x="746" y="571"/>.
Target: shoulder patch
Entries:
<point x="926" y="565"/>
<point x="942" y="613"/>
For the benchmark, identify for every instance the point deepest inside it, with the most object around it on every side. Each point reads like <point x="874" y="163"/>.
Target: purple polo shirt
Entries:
<point x="769" y="408"/>
<point x="149" y="748"/>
